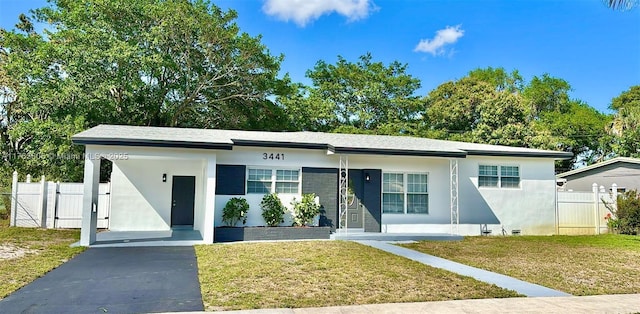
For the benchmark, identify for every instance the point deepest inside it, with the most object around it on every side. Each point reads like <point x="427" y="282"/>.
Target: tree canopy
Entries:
<point x="187" y="64"/>
<point x="137" y="62"/>
<point x="363" y="95"/>
<point x="493" y="106"/>
<point x="626" y="123"/>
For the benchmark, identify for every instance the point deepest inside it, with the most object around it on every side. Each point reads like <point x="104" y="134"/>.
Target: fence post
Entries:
<point x="28" y="178"/>
<point x="14" y="199"/>
<point x="42" y="200"/>
<point x="594" y="188"/>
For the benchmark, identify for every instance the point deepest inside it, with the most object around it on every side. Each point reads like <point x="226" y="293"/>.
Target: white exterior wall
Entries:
<point x="141" y="201"/>
<point x="530" y="208"/>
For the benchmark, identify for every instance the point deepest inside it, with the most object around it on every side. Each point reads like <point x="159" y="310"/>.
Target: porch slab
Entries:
<point x="393" y="237"/>
<point x="175" y="237"/>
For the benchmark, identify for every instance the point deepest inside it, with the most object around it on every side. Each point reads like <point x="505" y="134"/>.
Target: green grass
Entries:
<point x="579" y="265"/>
<point x="323" y="273"/>
<point x="45" y="250"/>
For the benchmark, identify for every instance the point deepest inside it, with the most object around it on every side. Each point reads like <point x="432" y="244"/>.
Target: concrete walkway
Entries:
<point x="620" y="303"/>
<point x="522" y="287"/>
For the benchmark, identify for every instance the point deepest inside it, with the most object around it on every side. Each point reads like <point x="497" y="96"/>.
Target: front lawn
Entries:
<point x="28" y="253"/>
<point x="579" y="265"/>
<point x="323" y="273"/>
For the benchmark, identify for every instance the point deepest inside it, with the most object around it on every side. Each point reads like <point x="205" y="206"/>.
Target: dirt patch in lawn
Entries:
<point x="579" y="265"/>
<point x="8" y="251"/>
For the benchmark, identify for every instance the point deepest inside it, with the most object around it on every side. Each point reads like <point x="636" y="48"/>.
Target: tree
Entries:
<point x="622" y="5"/>
<point x="493" y="107"/>
<point x="546" y="94"/>
<point x="499" y="78"/>
<point x="452" y="108"/>
<point x="626" y="123"/>
<point x="581" y="130"/>
<point x="139" y="62"/>
<point x="471" y="109"/>
<point x="364" y="95"/>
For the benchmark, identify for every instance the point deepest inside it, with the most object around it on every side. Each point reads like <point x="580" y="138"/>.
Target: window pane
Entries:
<point x="286" y="187"/>
<point x="393" y="203"/>
<point x="510" y="182"/>
<point x="488" y="170"/>
<point x="286" y="175"/>
<point x="417" y="204"/>
<point x="417" y="183"/>
<point x="258" y="187"/>
<point x="260" y="174"/>
<point x="392" y="182"/>
<point x="488" y="181"/>
<point x="510" y="171"/>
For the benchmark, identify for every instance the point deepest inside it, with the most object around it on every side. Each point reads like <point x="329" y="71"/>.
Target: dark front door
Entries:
<point x="183" y="194"/>
<point x="355" y="209"/>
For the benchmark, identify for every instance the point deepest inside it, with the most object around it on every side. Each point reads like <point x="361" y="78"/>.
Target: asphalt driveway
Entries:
<point x="115" y="280"/>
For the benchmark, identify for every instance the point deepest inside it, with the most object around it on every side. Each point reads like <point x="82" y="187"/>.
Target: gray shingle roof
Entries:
<point x="600" y="164"/>
<point x="338" y="143"/>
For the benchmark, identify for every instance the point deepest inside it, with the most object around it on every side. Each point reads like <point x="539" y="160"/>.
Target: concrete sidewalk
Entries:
<point x="522" y="287"/>
<point x="620" y="303"/>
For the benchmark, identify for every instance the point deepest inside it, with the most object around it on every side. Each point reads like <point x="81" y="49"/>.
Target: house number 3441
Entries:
<point x="273" y="156"/>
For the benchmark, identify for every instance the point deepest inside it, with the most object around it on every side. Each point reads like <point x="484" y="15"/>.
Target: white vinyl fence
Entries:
<point x="585" y="212"/>
<point x="49" y="204"/>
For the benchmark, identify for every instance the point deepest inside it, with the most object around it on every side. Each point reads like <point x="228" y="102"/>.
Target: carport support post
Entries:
<point x="43" y="202"/>
<point x="90" y="199"/>
<point x="210" y="201"/>
<point x="14" y="199"/>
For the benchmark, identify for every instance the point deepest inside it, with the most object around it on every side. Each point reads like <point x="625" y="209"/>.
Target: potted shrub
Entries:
<point x="272" y="210"/>
<point x="234" y="211"/>
<point x="305" y="210"/>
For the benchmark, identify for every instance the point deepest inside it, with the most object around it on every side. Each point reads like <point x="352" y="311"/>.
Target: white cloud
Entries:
<point x="448" y="35"/>
<point x="304" y="11"/>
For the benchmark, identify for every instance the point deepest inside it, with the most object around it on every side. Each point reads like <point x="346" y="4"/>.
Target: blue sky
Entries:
<point x="596" y="49"/>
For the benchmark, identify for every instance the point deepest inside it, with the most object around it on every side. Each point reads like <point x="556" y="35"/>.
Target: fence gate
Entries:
<point x="54" y="204"/>
<point x="68" y="209"/>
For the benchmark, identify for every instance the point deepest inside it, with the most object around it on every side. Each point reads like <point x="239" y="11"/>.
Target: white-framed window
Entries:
<point x="502" y="176"/>
<point x="269" y="180"/>
<point x="405" y="193"/>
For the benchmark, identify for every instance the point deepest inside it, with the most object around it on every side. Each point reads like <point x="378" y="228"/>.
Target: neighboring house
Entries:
<point x="168" y="177"/>
<point x="624" y="172"/>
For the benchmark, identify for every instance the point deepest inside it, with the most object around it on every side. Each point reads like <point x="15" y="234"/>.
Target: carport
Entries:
<point x="146" y="214"/>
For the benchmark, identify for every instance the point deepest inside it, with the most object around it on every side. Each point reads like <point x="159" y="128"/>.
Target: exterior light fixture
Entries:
<point x="367" y="177"/>
<point x="164" y="177"/>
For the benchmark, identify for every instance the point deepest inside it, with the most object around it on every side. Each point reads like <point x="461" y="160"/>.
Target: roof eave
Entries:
<point x="253" y="143"/>
<point x="399" y="152"/>
<point x="554" y="155"/>
<point x="150" y="143"/>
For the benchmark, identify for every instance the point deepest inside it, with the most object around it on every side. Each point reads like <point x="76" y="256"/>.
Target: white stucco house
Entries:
<point x="166" y="178"/>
